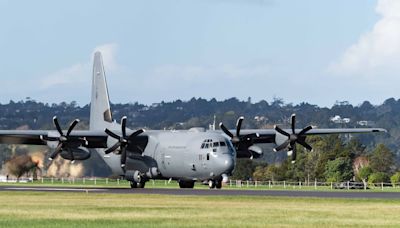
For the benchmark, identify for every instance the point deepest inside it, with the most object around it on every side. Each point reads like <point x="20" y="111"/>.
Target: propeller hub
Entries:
<point x="63" y="139"/>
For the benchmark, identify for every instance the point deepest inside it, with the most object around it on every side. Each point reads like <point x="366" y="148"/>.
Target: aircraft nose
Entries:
<point x="229" y="165"/>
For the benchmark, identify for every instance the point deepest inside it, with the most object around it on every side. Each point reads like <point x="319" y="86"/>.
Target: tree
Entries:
<point x="395" y="179"/>
<point x="382" y="160"/>
<point x="364" y="173"/>
<point x="260" y="173"/>
<point x="338" y="170"/>
<point x="378" y="177"/>
<point x="244" y="169"/>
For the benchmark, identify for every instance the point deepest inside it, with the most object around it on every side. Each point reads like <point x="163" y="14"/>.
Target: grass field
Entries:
<point x="38" y="209"/>
<point x="112" y="183"/>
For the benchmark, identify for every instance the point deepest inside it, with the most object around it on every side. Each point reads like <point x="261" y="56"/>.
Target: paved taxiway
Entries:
<point x="214" y="192"/>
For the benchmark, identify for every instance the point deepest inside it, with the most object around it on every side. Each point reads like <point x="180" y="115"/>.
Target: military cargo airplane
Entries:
<point x="139" y="155"/>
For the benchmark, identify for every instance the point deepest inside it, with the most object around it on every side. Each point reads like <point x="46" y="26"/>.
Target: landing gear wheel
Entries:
<point x="135" y="184"/>
<point x="218" y="184"/>
<point x="186" y="184"/>
<point x="211" y="184"/>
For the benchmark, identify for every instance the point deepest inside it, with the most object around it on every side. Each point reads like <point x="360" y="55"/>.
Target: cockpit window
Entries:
<point x="208" y="143"/>
<point x="230" y="146"/>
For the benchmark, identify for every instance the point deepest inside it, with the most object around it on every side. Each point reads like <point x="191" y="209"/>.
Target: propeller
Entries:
<point x="123" y="140"/>
<point x="63" y="139"/>
<point x="241" y="142"/>
<point x="293" y="138"/>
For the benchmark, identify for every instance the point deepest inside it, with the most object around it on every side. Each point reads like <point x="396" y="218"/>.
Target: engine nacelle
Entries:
<point x="79" y="154"/>
<point x="256" y="151"/>
<point x="279" y="138"/>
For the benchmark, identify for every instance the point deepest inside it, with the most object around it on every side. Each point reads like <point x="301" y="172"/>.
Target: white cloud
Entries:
<point x="72" y="74"/>
<point x="377" y="52"/>
<point x="80" y="72"/>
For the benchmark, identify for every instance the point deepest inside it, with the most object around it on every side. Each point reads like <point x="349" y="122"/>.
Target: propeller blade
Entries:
<point x="225" y="130"/>
<point x="123" y="126"/>
<point x="239" y="125"/>
<point x="305" y="145"/>
<point x="278" y="129"/>
<point x="72" y="126"/>
<point x="134" y="134"/>
<point x="113" y="148"/>
<point x="294" y="153"/>
<point x="112" y="134"/>
<point x="55" y="121"/>
<point x="56" y="151"/>
<point x="123" y="157"/>
<point x="293" y="117"/>
<point x="282" y="146"/>
<point x="72" y="156"/>
<point x="305" y="130"/>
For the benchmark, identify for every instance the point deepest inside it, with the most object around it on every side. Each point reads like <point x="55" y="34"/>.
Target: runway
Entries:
<point x="213" y="192"/>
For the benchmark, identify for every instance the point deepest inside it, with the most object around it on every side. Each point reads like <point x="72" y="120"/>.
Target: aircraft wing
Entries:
<point x="245" y="143"/>
<point x="94" y="139"/>
<point x="315" y="131"/>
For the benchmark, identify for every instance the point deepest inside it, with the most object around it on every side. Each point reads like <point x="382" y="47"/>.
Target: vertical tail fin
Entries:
<point x="100" y="112"/>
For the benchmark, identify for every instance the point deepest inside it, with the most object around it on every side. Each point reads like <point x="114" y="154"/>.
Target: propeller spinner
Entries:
<point x="293" y="138"/>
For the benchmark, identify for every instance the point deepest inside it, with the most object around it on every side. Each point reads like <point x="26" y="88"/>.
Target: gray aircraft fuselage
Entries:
<point x="190" y="155"/>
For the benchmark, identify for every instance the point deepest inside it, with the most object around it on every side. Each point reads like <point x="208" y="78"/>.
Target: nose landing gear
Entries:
<point x="215" y="183"/>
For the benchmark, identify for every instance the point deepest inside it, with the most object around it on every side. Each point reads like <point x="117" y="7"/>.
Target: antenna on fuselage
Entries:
<point x="212" y="126"/>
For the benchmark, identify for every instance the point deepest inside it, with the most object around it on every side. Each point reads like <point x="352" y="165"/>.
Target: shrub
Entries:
<point x="395" y="179"/>
<point x="378" y="177"/>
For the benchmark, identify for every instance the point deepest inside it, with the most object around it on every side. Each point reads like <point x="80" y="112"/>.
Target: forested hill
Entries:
<point x="30" y="114"/>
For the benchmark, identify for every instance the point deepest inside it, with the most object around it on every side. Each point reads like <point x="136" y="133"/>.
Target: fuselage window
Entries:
<point x="202" y="146"/>
<point x="215" y="144"/>
<point x="206" y="146"/>
<point x="222" y="143"/>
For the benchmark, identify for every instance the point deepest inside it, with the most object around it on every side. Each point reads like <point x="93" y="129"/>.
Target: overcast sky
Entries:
<point x="311" y="50"/>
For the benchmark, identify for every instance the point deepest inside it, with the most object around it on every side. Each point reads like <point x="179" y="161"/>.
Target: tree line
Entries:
<point x="333" y="159"/>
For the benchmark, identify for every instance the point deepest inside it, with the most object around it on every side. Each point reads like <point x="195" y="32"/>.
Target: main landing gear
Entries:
<point x="186" y="184"/>
<point x="135" y="178"/>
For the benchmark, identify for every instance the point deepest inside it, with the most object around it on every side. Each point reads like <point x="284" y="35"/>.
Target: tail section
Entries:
<point x="100" y="112"/>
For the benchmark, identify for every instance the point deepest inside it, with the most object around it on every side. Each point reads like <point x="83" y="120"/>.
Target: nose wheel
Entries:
<point x="216" y="183"/>
<point x="135" y="184"/>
